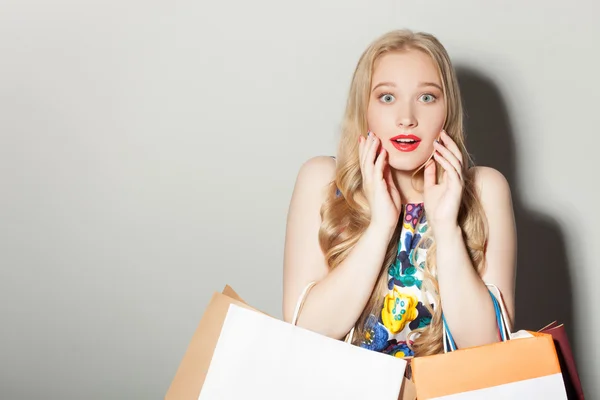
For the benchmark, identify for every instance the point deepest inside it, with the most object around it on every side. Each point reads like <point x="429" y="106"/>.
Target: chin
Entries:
<point x="407" y="164"/>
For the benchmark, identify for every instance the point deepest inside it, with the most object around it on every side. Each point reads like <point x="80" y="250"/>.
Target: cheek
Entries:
<point x="371" y="118"/>
<point x="376" y="118"/>
<point x="433" y="118"/>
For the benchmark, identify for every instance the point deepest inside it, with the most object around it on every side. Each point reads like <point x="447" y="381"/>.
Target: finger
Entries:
<point x="371" y="154"/>
<point x="449" y="168"/>
<point x="448" y="155"/>
<point x="430" y="174"/>
<point x="387" y="173"/>
<point x="361" y="150"/>
<point x="452" y="146"/>
<point x="367" y="142"/>
<point x="380" y="165"/>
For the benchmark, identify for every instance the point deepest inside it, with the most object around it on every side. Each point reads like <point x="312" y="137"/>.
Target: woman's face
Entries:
<point x="406" y="107"/>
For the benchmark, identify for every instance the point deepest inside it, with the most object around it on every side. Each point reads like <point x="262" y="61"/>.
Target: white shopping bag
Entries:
<point x="260" y="357"/>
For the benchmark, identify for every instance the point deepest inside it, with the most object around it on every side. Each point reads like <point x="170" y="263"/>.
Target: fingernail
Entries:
<point x="369" y="134"/>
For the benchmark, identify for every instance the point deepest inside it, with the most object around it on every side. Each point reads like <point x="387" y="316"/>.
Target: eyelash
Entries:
<point x="384" y="94"/>
<point x="424" y="94"/>
<point x="430" y="94"/>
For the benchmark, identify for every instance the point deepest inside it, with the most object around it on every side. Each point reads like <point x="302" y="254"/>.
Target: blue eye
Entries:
<point x="387" y="98"/>
<point x="427" y="98"/>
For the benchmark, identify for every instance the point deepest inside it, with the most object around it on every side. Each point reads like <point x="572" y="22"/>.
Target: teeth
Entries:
<point x="405" y="140"/>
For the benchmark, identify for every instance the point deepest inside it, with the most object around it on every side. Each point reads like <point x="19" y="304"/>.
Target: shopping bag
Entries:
<point x="408" y="390"/>
<point x="239" y="352"/>
<point x="523" y="365"/>
<point x="566" y="360"/>
<point x="191" y="372"/>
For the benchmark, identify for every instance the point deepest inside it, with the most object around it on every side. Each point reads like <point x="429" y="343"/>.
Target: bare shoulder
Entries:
<point x="316" y="173"/>
<point x="319" y="165"/>
<point x="494" y="194"/>
<point x="492" y="186"/>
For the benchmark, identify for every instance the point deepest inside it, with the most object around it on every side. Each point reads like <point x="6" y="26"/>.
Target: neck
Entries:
<point x="410" y="188"/>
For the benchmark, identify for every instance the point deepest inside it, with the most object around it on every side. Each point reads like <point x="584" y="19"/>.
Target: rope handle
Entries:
<point x="300" y="304"/>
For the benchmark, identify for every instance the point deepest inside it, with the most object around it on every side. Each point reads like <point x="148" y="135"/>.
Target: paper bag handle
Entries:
<point x="300" y="304"/>
<point x="506" y="322"/>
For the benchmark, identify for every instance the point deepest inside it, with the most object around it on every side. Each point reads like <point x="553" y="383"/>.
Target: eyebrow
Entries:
<point x="422" y="84"/>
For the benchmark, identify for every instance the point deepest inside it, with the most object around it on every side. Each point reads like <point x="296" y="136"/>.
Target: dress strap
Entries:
<point x="337" y="191"/>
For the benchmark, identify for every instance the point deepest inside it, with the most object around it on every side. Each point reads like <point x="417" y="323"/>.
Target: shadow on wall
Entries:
<point x="543" y="289"/>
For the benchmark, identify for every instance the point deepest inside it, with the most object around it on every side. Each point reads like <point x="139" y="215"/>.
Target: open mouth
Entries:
<point x="405" y="142"/>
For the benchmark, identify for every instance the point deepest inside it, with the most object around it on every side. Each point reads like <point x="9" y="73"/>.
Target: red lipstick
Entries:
<point x="406" y="143"/>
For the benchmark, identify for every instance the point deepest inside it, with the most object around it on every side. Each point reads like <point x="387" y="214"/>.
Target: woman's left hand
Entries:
<point x="442" y="199"/>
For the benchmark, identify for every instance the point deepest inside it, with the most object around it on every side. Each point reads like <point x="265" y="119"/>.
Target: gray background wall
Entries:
<point x="148" y="152"/>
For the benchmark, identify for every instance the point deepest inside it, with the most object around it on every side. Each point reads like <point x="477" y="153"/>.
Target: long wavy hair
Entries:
<point x="345" y="217"/>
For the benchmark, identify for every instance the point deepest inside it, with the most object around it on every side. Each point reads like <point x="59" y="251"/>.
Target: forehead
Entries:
<point x="405" y="68"/>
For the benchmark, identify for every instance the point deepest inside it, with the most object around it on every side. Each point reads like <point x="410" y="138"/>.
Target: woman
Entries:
<point x="400" y="226"/>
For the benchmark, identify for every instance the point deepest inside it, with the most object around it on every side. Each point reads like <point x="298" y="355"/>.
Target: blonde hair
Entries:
<point x="345" y="217"/>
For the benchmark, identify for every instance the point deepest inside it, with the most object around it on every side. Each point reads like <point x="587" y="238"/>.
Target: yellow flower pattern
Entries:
<point x="399" y="308"/>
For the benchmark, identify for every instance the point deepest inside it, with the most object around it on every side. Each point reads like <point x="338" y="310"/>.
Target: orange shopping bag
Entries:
<point x="524" y="365"/>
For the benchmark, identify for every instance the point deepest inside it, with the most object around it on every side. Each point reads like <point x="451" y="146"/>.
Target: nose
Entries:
<point x="406" y="117"/>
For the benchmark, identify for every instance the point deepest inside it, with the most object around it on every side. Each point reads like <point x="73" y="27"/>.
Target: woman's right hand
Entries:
<point x="379" y="187"/>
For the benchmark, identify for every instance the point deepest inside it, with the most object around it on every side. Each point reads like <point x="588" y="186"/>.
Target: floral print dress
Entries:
<point x="403" y="307"/>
